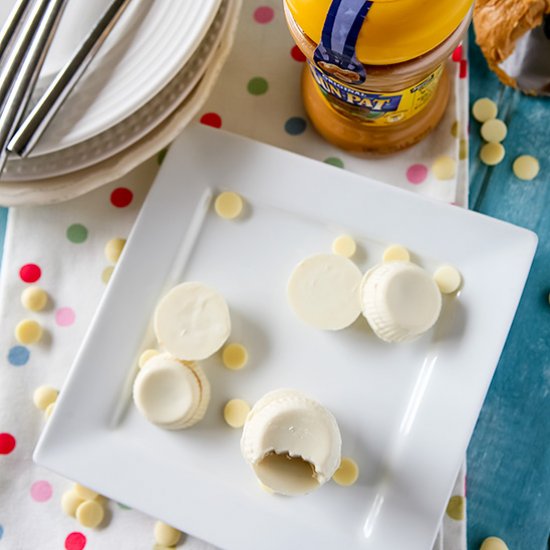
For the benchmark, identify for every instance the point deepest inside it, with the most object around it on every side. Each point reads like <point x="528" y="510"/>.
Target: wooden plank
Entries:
<point x="509" y="455"/>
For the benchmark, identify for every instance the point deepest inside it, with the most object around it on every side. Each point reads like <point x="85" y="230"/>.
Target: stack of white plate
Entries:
<point x="148" y="81"/>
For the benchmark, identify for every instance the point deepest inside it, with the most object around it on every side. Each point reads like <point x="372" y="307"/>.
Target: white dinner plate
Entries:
<point x="128" y="131"/>
<point x="406" y="412"/>
<point x="146" y="49"/>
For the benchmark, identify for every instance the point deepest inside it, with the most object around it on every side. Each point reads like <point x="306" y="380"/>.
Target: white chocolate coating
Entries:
<point x="202" y="407"/>
<point x="166" y="391"/>
<point x="292" y="442"/>
<point x="400" y="301"/>
<point x="323" y="291"/>
<point x="192" y="321"/>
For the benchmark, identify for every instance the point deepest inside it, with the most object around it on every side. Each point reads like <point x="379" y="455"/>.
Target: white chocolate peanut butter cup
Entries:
<point x="171" y="394"/>
<point x="323" y="291"/>
<point x="192" y="321"/>
<point x="292" y="442"/>
<point x="202" y="407"/>
<point x="400" y="301"/>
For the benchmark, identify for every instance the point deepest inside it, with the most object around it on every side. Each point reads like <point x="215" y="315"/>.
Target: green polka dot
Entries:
<point x="335" y="161"/>
<point x="257" y="85"/>
<point x="123" y="506"/>
<point x="161" y="154"/>
<point x="77" y="233"/>
<point x="455" y="508"/>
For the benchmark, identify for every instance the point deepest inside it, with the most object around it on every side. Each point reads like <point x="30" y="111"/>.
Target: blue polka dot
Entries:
<point x="295" y="126"/>
<point x="18" y="356"/>
<point x="1" y="532"/>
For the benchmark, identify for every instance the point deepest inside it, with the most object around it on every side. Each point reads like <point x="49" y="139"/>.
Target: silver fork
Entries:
<point x="24" y="63"/>
<point x="45" y="110"/>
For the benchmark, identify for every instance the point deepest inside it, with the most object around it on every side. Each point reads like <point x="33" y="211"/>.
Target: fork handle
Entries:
<point x="23" y="85"/>
<point x="11" y="24"/>
<point x="47" y="106"/>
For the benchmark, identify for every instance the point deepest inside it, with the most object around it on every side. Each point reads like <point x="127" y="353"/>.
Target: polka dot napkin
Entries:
<point x="62" y="249"/>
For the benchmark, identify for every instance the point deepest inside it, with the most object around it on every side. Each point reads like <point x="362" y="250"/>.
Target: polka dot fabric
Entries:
<point x="64" y="256"/>
<point x="258" y="95"/>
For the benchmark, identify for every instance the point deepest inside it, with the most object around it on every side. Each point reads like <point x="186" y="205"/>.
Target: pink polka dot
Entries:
<point x="65" y="316"/>
<point x="41" y="491"/>
<point x="297" y="55"/>
<point x="417" y="173"/>
<point x="263" y="15"/>
<point x="7" y="443"/>
<point x="75" y="541"/>
<point x="30" y="273"/>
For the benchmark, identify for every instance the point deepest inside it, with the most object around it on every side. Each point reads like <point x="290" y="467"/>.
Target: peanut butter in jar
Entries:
<point x="375" y="80"/>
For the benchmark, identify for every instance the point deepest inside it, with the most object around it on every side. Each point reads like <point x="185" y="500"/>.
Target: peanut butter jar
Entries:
<point x="375" y="79"/>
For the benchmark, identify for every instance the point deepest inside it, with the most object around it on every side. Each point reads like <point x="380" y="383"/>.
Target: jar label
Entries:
<point x="379" y="109"/>
<point x="336" y="50"/>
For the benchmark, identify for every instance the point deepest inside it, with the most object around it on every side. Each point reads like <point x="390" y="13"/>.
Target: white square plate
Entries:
<point x="406" y="412"/>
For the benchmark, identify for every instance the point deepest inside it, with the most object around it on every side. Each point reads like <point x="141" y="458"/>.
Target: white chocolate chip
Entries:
<point x="448" y="279"/>
<point x="493" y="543"/>
<point x="494" y="131"/>
<point x="90" y="514"/>
<point x="347" y="473"/>
<point x="44" y="396"/>
<point x="444" y="168"/>
<point x="113" y="249"/>
<point x="28" y="331"/>
<point x="70" y="501"/>
<point x="228" y="205"/>
<point x="34" y="298"/>
<point x="235" y="412"/>
<point x="146" y="355"/>
<point x="344" y="245"/>
<point x="484" y="109"/>
<point x="492" y="154"/>
<point x="526" y="167"/>
<point x="396" y="253"/>
<point x="84" y="492"/>
<point x="166" y="535"/>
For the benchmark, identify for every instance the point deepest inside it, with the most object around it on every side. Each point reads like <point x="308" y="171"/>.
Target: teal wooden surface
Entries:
<point x="509" y="455"/>
<point x="508" y="485"/>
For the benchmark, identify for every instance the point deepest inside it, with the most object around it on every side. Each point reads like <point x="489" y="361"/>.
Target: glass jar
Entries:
<point x="375" y="80"/>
